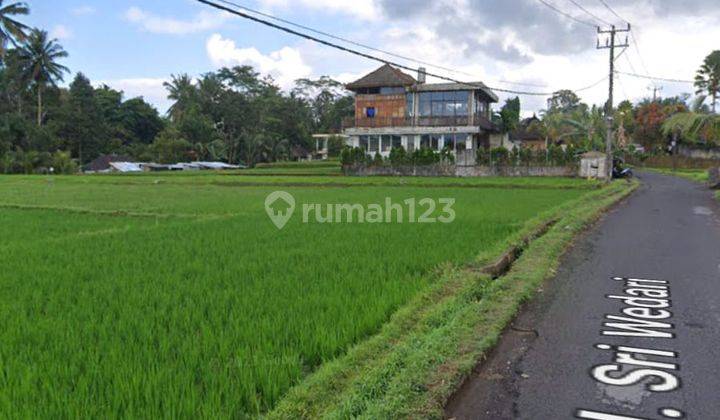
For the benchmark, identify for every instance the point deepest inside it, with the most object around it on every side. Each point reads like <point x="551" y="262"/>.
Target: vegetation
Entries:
<point x="707" y="79"/>
<point x="233" y="115"/>
<point x="11" y="30"/>
<point x="130" y="296"/>
<point x="419" y="358"/>
<point x="697" y="175"/>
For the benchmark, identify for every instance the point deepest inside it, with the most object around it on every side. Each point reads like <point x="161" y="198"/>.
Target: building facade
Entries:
<point x="393" y="109"/>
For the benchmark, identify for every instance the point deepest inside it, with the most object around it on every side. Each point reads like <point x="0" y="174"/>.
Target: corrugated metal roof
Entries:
<point x="126" y="166"/>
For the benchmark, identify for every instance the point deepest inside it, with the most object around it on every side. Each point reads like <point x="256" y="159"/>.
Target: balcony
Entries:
<point x="392" y="122"/>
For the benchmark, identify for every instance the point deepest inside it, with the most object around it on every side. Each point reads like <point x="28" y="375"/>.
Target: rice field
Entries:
<point x="175" y="296"/>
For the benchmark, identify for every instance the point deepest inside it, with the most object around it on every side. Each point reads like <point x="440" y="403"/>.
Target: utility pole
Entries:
<point x="655" y="89"/>
<point x="611" y="44"/>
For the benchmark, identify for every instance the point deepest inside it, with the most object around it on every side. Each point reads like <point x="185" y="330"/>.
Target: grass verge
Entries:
<point x="697" y="175"/>
<point x="419" y="358"/>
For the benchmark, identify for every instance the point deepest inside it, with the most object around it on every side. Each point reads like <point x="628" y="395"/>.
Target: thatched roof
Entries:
<point x="385" y="76"/>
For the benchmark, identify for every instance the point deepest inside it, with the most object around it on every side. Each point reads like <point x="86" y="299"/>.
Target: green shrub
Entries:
<point x="500" y="156"/>
<point x="398" y="156"/>
<point x="446" y="155"/>
<point x="423" y="156"/>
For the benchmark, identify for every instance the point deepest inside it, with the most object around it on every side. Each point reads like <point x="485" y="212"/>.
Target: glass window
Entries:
<point x="425" y="141"/>
<point x="386" y="143"/>
<point x="461" y="142"/>
<point x="444" y="104"/>
<point x="374" y="144"/>
<point x="449" y="142"/>
<point x="461" y="109"/>
<point x="462" y="96"/>
<point x="364" y="143"/>
<point x="410" y="144"/>
<point x="396" y="141"/>
<point x="435" y="141"/>
<point x="392" y="90"/>
<point x="410" y="105"/>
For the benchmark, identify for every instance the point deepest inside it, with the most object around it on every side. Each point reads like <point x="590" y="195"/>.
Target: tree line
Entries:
<point x="233" y="114"/>
<point x="237" y="115"/>
<point x="651" y="123"/>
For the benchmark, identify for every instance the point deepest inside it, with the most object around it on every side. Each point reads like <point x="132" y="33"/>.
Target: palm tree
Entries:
<point x="39" y="58"/>
<point x="695" y="127"/>
<point x="181" y="90"/>
<point x="707" y="80"/>
<point x="12" y="31"/>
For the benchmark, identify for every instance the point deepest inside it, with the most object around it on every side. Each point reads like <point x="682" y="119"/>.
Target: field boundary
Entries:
<point x="424" y="353"/>
<point x="404" y="185"/>
<point x="112" y="213"/>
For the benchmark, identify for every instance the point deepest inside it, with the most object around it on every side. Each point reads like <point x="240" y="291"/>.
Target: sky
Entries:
<point x="135" y="46"/>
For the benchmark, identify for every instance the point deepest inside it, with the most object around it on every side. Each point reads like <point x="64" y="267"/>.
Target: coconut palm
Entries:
<point x="12" y="31"/>
<point x="38" y="58"/>
<point x="707" y="80"/>
<point x="696" y="127"/>
<point x="182" y="90"/>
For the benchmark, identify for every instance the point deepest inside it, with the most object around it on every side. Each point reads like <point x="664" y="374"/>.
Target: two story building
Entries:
<point x="394" y="109"/>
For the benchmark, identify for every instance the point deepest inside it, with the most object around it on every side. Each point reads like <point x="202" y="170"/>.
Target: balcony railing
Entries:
<point x="387" y="122"/>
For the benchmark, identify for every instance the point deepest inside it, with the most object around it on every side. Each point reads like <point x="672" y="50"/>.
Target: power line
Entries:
<point x="632" y="36"/>
<point x="567" y="15"/>
<point x="637" y="50"/>
<point x="589" y="13"/>
<point x="362" y="54"/>
<point x="358" y="44"/>
<point x="662" y="79"/>
<point x="607" y="6"/>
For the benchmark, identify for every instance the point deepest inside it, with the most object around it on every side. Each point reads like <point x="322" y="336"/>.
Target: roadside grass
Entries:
<point x="201" y="308"/>
<point x="420" y="357"/>
<point x="697" y="175"/>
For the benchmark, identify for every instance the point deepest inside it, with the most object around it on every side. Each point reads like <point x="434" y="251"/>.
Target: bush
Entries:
<point x="378" y="159"/>
<point x="398" y="156"/>
<point x="446" y="155"/>
<point x="422" y="157"/>
<point x="353" y="156"/>
<point x="62" y="163"/>
<point x="500" y="156"/>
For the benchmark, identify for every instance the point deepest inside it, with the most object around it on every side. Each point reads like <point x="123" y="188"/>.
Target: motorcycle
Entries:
<point x="620" y="171"/>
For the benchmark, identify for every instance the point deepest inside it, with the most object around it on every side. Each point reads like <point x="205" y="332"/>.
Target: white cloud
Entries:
<point x="61" y="32"/>
<point x="151" y="89"/>
<point x="285" y="65"/>
<point x="203" y="21"/>
<point x="83" y="11"/>
<point x="364" y="9"/>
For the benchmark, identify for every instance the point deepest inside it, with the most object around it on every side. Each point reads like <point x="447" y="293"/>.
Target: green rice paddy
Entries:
<point x="175" y="296"/>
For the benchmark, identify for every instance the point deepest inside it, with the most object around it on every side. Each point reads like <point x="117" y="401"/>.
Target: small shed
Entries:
<point x="594" y="165"/>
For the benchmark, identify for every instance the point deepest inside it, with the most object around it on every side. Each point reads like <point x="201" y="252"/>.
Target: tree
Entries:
<point x="694" y="127"/>
<point x="39" y="56"/>
<point x="649" y="118"/>
<point x="564" y="101"/>
<point x="181" y="90"/>
<point x="12" y="31"/>
<point x="509" y="115"/>
<point x="81" y="120"/>
<point x="707" y="80"/>
<point x="170" y="147"/>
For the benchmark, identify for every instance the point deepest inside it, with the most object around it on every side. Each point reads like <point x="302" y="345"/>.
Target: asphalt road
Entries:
<point x="561" y="359"/>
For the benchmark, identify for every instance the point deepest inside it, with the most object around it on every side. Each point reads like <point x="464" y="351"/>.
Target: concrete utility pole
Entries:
<point x="611" y="45"/>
